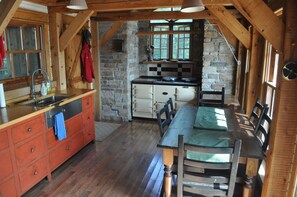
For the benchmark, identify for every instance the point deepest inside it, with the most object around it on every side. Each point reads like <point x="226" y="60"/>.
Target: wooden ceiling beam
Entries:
<point x="226" y="18"/>
<point x="74" y="27"/>
<point x="108" y="35"/>
<point x="263" y="19"/>
<point x="225" y="32"/>
<point x="120" y="5"/>
<point x="146" y="15"/>
<point x="7" y="10"/>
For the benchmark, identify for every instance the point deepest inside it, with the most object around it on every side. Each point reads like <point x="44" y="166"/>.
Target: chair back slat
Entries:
<point x="206" y="179"/>
<point x="163" y="122"/>
<point x="257" y="113"/>
<point x="211" y="98"/>
<point x="206" y="192"/>
<point x="210" y="178"/>
<point x="169" y="104"/>
<point x="262" y="130"/>
<point x="207" y="165"/>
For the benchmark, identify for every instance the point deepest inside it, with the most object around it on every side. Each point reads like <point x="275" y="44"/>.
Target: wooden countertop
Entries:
<point x="15" y="113"/>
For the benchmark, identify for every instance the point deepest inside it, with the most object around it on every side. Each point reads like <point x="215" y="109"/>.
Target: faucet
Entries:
<point x="33" y="94"/>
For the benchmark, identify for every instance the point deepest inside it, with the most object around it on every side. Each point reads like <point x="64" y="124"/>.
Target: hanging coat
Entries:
<point x="87" y="63"/>
<point x="2" y="51"/>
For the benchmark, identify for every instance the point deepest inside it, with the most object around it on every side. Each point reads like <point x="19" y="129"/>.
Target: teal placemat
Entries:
<point x="211" y="118"/>
<point x="211" y="139"/>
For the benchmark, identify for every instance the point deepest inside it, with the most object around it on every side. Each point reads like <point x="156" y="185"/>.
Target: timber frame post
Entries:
<point x="58" y="57"/>
<point x="280" y="178"/>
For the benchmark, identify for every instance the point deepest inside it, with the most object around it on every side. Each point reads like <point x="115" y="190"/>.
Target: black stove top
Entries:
<point x="166" y="80"/>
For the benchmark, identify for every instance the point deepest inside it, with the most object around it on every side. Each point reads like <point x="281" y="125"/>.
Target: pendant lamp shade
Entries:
<point x="189" y="6"/>
<point x="77" y="5"/>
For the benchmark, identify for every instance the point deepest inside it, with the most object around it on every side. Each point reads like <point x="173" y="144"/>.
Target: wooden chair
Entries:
<point x="253" y="120"/>
<point x="193" y="176"/>
<point x="262" y="130"/>
<point x="163" y="122"/>
<point x="257" y="113"/>
<point x="171" y="110"/>
<point x="211" y="98"/>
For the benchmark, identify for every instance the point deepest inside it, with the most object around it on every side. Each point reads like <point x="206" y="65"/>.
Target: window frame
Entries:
<point x="24" y="81"/>
<point x="171" y="24"/>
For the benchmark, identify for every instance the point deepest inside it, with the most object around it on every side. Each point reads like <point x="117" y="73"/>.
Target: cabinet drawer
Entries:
<point x="5" y="164"/>
<point x="89" y="126"/>
<point x="87" y="102"/>
<point x="142" y="105"/>
<point x="8" y="189"/>
<point x="3" y="140"/>
<point x="142" y="91"/>
<point x="74" y="124"/>
<point x="28" y="129"/>
<point x="163" y="93"/>
<point x="65" y="150"/>
<point x="33" y="174"/>
<point x="30" y="150"/>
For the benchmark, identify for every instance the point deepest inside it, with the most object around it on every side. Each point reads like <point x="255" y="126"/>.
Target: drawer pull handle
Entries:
<point x="165" y="93"/>
<point x="35" y="172"/>
<point x="88" y="117"/>
<point x="33" y="150"/>
<point x="29" y="129"/>
<point x="67" y="148"/>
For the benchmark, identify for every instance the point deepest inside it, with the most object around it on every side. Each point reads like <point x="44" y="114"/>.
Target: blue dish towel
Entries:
<point x="59" y="126"/>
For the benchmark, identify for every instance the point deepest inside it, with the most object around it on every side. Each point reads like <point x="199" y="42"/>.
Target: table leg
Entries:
<point x="251" y="173"/>
<point x="168" y="162"/>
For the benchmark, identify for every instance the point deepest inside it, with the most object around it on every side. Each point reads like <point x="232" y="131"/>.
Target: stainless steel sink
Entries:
<point x="47" y="101"/>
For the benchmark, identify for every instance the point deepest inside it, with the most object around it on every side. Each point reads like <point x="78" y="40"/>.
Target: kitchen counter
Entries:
<point x="159" y="80"/>
<point x="18" y="112"/>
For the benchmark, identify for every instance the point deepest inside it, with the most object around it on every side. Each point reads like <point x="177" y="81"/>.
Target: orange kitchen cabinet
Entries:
<point x="65" y="150"/>
<point x="89" y="125"/>
<point x="88" y="118"/>
<point x="8" y="188"/>
<point x="33" y="174"/>
<point x="73" y="125"/>
<point x="28" y="128"/>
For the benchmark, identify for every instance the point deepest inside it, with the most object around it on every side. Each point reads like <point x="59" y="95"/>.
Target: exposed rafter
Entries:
<point x="147" y="15"/>
<point x="226" y="18"/>
<point x="114" y="28"/>
<point x="121" y="5"/>
<point x="73" y="28"/>
<point x="7" y="10"/>
<point x="263" y="19"/>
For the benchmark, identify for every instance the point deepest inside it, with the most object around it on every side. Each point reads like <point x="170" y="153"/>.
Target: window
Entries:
<point x="271" y="67"/>
<point x="171" y="46"/>
<point x="24" y="51"/>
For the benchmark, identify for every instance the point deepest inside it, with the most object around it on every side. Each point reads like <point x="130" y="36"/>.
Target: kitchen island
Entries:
<point x="29" y="149"/>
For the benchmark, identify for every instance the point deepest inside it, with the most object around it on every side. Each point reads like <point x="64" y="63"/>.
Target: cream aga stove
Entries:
<point x="149" y="94"/>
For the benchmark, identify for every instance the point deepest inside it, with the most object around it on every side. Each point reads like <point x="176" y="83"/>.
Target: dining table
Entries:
<point x="196" y="125"/>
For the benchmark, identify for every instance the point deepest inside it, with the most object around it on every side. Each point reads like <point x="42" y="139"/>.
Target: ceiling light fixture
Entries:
<point x="77" y="5"/>
<point x="189" y="6"/>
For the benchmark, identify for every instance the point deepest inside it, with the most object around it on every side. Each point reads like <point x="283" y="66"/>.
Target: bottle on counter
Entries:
<point x="43" y="89"/>
<point x="48" y="87"/>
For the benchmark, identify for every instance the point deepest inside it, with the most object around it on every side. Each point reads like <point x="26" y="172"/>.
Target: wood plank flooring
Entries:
<point x="127" y="163"/>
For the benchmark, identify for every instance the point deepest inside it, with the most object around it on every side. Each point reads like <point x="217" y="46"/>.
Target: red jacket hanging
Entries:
<point x="87" y="63"/>
<point x="2" y="51"/>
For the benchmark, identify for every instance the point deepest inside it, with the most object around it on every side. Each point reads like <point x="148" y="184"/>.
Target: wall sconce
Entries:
<point x="189" y="6"/>
<point x="77" y="5"/>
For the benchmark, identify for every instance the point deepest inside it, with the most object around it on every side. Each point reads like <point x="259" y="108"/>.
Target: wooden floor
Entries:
<point x="127" y="163"/>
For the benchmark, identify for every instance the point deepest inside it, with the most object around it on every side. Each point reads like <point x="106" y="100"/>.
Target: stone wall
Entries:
<point x="117" y="69"/>
<point x="219" y="66"/>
